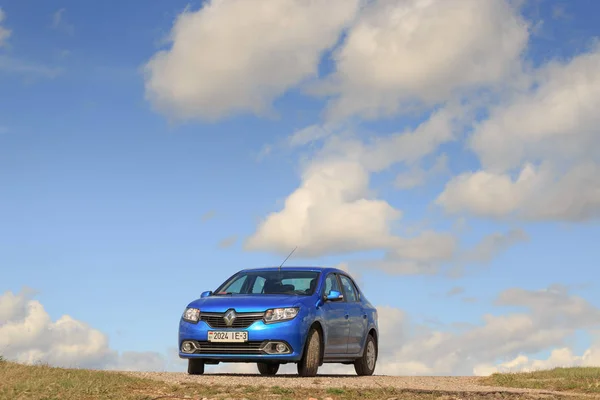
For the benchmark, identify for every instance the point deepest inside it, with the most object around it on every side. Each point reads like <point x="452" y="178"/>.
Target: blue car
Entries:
<point x="273" y="316"/>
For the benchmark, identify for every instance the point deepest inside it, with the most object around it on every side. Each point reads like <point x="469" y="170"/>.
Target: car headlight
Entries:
<point x="191" y="315"/>
<point x="280" y="314"/>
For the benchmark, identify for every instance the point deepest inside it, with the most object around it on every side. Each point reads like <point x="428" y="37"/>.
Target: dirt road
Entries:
<point x="417" y="383"/>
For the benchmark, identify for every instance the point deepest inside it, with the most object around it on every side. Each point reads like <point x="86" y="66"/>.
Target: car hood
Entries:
<point x="246" y="303"/>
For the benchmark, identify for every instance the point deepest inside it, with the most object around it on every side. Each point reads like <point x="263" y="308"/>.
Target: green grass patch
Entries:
<point x="577" y="379"/>
<point x="281" y="390"/>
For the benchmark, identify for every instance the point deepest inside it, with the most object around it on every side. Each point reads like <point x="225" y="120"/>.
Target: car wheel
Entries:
<point x="309" y="363"/>
<point x="195" y="367"/>
<point x="366" y="364"/>
<point x="268" y="369"/>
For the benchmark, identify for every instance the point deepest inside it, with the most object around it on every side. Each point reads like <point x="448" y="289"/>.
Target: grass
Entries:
<point x="41" y="382"/>
<point x="579" y="379"/>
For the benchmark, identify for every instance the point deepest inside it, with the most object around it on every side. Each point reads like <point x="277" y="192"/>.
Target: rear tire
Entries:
<point x="267" y="369"/>
<point x="311" y="359"/>
<point x="365" y="365"/>
<point x="195" y="367"/>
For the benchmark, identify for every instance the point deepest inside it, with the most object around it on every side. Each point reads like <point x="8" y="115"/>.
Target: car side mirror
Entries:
<point x="206" y="294"/>
<point x="334" y="295"/>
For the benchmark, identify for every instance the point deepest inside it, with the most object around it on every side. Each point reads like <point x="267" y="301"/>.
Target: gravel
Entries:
<point x="420" y="383"/>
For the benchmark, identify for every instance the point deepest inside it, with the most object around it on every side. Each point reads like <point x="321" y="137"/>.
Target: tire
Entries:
<point x="365" y="365"/>
<point x="311" y="359"/>
<point x="195" y="367"/>
<point x="268" y="369"/>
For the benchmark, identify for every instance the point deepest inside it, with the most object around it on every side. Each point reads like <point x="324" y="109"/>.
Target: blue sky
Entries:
<point x="117" y="186"/>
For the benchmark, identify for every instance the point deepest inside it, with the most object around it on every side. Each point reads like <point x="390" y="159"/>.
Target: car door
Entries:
<point x="357" y="321"/>
<point x="335" y="319"/>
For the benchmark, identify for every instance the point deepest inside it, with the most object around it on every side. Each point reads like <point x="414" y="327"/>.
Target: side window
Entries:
<point x="259" y="284"/>
<point x="331" y="283"/>
<point x="349" y="289"/>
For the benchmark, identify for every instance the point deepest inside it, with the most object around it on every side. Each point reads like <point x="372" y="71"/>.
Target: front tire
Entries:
<point x="268" y="369"/>
<point x="365" y="365"/>
<point x="310" y="361"/>
<point x="195" y="367"/>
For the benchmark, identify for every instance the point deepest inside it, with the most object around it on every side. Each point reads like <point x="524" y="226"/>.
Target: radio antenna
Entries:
<point x="287" y="257"/>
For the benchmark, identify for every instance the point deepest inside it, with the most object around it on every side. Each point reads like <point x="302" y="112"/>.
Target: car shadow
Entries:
<point x="283" y="375"/>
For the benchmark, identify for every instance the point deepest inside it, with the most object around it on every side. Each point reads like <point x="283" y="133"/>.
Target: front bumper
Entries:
<point x="260" y="335"/>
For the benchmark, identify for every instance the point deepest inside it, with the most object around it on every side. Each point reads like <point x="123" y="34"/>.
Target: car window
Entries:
<point x="349" y="289"/>
<point x="236" y="285"/>
<point x="331" y="283"/>
<point x="259" y="284"/>
<point x="271" y="282"/>
<point x="301" y="284"/>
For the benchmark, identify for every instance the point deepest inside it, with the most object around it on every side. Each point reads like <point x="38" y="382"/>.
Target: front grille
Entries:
<point x="229" y="348"/>
<point x="242" y="320"/>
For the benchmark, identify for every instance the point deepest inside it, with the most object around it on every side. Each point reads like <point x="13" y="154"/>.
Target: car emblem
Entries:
<point x="229" y="317"/>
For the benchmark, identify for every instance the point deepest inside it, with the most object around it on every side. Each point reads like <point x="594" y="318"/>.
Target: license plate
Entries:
<point x="216" y="336"/>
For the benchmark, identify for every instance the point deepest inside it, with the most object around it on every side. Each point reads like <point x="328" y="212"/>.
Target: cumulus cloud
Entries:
<point x="28" y="335"/>
<point x="542" y="193"/>
<point x="237" y="56"/>
<point x="400" y="53"/>
<point x="554" y="120"/>
<point x="550" y="136"/>
<point x="563" y="357"/>
<point x="551" y="317"/>
<point x="416" y="175"/>
<point x="330" y="212"/>
<point x="491" y="245"/>
<point x="433" y="252"/>
<point x="4" y="32"/>
<point x="334" y="209"/>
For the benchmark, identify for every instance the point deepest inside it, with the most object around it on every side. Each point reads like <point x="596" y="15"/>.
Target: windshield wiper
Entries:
<point x="223" y="293"/>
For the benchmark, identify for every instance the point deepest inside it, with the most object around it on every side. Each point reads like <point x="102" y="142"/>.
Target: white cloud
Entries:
<point x="553" y="316"/>
<point x="433" y="252"/>
<point x="4" y="32"/>
<point x="551" y="134"/>
<point x="491" y="245"/>
<point x="417" y="175"/>
<point x="407" y="147"/>
<point x="28" y="335"/>
<point x="403" y="52"/>
<point x="239" y="55"/>
<point x="559" y="358"/>
<point x="330" y="212"/>
<point x="334" y="210"/>
<point x="556" y="120"/>
<point x="543" y="193"/>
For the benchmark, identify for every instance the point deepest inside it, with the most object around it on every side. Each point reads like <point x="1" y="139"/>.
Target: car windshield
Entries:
<point x="271" y="282"/>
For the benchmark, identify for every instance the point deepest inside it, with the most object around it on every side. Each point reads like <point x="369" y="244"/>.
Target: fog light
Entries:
<point x="281" y="348"/>
<point x="188" y="347"/>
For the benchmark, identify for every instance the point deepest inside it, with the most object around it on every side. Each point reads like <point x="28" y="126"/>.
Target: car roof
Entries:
<point x="297" y="268"/>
